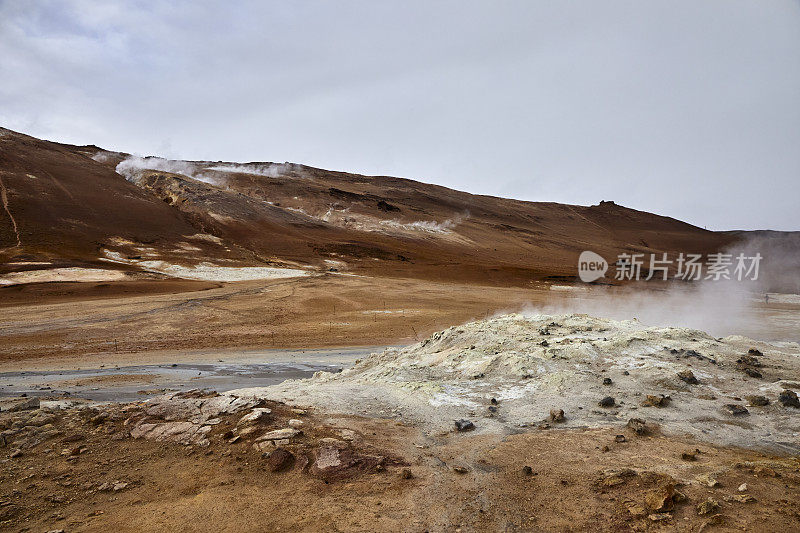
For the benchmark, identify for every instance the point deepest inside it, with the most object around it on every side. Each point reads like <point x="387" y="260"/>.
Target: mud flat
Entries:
<point x="217" y="371"/>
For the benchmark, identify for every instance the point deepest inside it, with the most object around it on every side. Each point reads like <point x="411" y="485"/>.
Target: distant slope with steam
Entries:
<point x="83" y="205"/>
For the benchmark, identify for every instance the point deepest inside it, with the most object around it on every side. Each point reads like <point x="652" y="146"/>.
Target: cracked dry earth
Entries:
<point x="202" y="461"/>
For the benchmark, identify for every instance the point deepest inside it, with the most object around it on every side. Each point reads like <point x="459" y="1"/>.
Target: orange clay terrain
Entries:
<point x="117" y="270"/>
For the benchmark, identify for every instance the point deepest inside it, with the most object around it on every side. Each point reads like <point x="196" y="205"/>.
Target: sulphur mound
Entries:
<point x="682" y="379"/>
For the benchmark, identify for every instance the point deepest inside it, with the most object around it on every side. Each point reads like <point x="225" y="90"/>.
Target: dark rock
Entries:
<point x="406" y="474"/>
<point x="789" y="398"/>
<point x="608" y="401"/>
<point x="758" y="401"/>
<point x="607" y="381"/>
<point x="752" y="372"/>
<point x="280" y="459"/>
<point x="687" y="376"/>
<point x="527" y="471"/>
<point x="493" y="401"/>
<point x="753" y="351"/>
<point x="638" y="426"/>
<point x="735" y="409"/>
<point x="749" y="360"/>
<point x="458" y="469"/>
<point x="464" y="425"/>
<point x="620" y="438"/>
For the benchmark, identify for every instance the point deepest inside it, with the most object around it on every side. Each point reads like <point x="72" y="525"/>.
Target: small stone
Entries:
<point x="295" y="423"/>
<point x="757" y="401"/>
<point x="280" y="459"/>
<point x="690" y="455"/>
<point x="688" y="376"/>
<point x="735" y="409"/>
<point x="742" y="498"/>
<point x="753" y="351"/>
<point x="460" y="469"/>
<point x="659" y="517"/>
<point x="256" y="415"/>
<point x="406" y="474"/>
<point x="708" y="507"/>
<point x="607" y="381"/>
<point x="656" y="401"/>
<point x="16" y="453"/>
<point x="299" y="412"/>
<point x="708" y="480"/>
<point x="557" y="415"/>
<point x="638" y="426"/>
<point x="608" y="401"/>
<point x="660" y="500"/>
<point x="742" y="487"/>
<point x="464" y="425"/>
<point x="752" y="372"/>
<point x="527" y="471"/>
<point x="493" y="401"/>
<point x="789" y="398"/>
<point x="280" y="434"/>
<point x="620" y="438"/>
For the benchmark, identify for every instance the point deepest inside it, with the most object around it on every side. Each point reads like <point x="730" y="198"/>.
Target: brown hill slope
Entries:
<point x="67" y="203"/>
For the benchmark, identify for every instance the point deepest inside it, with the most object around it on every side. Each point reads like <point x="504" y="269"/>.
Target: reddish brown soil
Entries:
<point x="577" y="482"/>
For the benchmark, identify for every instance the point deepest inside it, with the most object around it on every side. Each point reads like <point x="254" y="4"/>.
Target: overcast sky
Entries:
<point x="687" y="109"/>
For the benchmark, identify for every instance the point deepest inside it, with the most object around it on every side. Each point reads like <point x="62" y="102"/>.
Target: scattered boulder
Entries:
<point x="187" y="433"/>
<point x="789" y="398"/>
<point x="279" y="434"/>
<point x="608" y="401"/>
<point x="638" y="426"/>
<point x="612" y="478"/>
<point x="690" y="455"/>
<point x="709" y="506"/>
<point x="258" y="414"/>
<point x="464" y="425"/>
<point x="735" y="409"/>
<point x="660" y="500"/>
<point x="709" y="480"/>
<point x="757" y="401"/>
<point x="280" y="459"/>
<point x="26" y="405"/>
<point x="196" y="406"/>
<point x="656" y="401"/>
